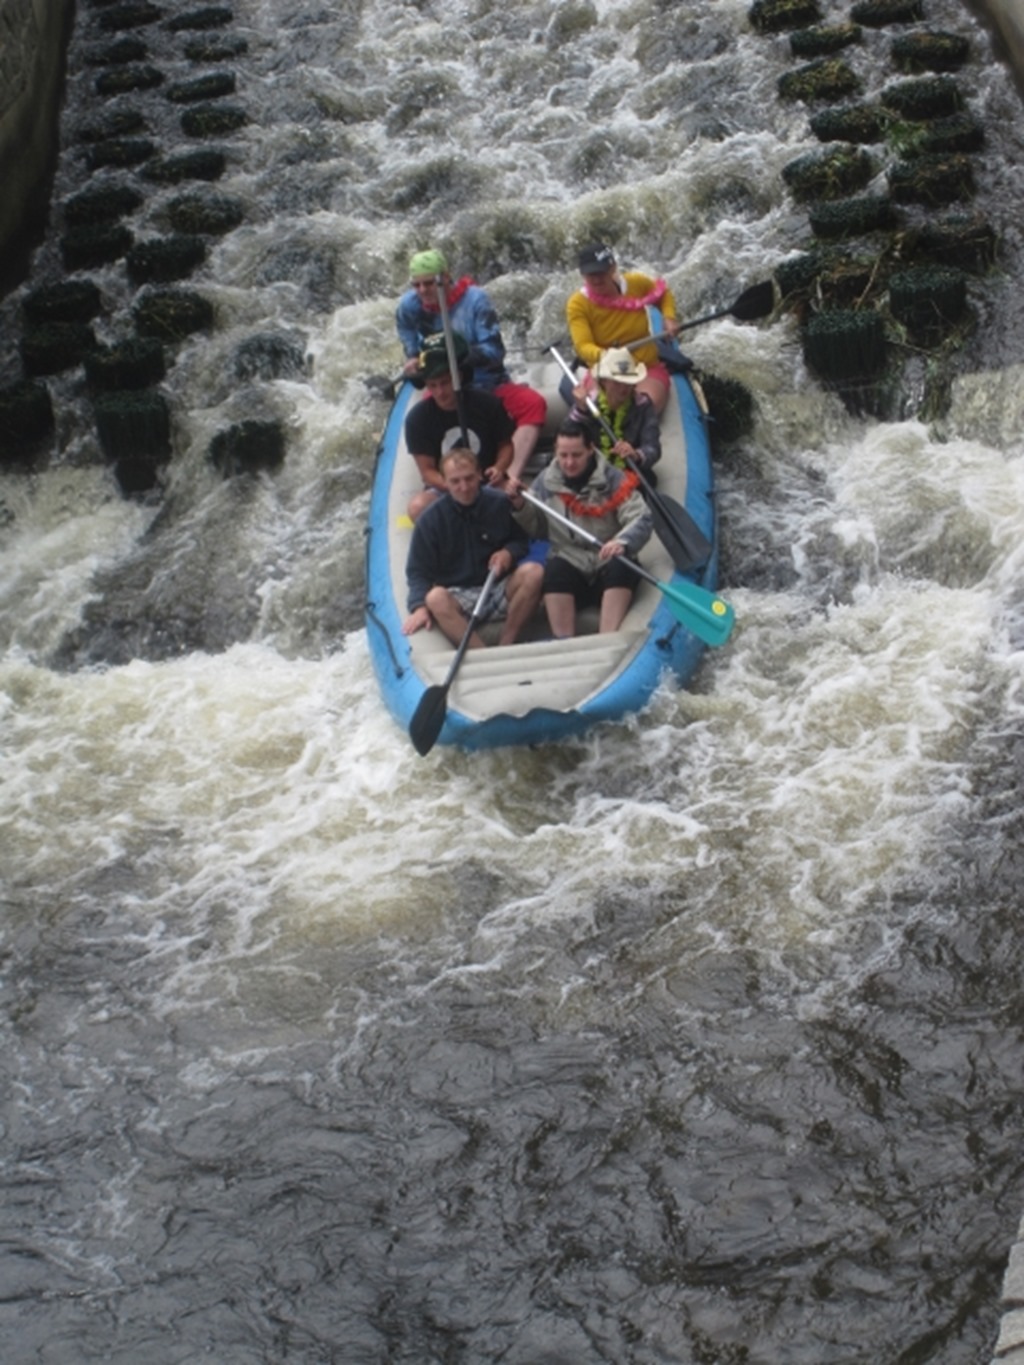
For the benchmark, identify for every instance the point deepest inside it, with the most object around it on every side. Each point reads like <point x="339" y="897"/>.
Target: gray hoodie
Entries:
<point x="628" y="520"/>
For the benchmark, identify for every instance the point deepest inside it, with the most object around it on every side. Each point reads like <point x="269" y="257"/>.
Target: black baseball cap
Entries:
<point x="596" y="259"/>
<point x="434" y="355"/>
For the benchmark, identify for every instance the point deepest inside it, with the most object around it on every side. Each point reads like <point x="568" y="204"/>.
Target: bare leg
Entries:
<point x="450" y="618"/>
<point x="561" y="610"/>
<point x="524" y="442"/>
<point x="523" y="594"/>
<point x="614" y="605"/>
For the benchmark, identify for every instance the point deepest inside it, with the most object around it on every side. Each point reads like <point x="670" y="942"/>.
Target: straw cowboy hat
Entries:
<point x="619" y="364"/>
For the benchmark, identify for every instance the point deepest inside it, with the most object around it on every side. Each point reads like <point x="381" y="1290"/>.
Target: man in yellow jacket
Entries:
<point x="610" y="309"/>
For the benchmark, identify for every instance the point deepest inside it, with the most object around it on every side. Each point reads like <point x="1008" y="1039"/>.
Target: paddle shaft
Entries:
<point x="428" y="718"/>
<point x="584" y="535"/>
<point x="453" y="365"/>
<point x="478" y="607"/>
<point x="755" y="302"/>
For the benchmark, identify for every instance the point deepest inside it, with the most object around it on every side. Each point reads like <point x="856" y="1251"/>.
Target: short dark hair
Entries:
<point x="576" y="426"/>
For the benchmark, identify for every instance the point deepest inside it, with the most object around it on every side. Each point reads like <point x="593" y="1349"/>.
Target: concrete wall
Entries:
<point x="33" y="40"/>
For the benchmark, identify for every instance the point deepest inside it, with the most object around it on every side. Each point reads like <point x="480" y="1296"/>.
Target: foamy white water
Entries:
<point x="683" y="1040"/>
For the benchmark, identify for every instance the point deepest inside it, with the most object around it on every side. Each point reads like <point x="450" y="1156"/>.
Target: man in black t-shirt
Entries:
<point x="433" y="426"/>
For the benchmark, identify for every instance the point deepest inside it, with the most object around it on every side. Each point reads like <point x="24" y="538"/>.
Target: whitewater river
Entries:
<point x="695" y="1040"/>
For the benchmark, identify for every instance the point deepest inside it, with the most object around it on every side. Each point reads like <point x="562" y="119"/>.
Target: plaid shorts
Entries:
<point x="495" y="607"/>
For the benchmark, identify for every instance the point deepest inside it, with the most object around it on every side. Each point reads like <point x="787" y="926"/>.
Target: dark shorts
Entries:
<point x="524" y="405"/>
<point x="561" y="576"/>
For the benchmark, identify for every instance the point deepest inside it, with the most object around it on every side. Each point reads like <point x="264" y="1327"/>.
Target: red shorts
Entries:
<point x="658" y="371"/>
<point x="524" y="405"/>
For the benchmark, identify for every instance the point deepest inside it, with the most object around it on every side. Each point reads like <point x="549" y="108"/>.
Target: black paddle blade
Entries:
<point x="428" y="719"/>
<point x="755" y="302"/>
<point x="673" y="525"/>
<point x="678" y="532"/>
<point x="381" y="385"/>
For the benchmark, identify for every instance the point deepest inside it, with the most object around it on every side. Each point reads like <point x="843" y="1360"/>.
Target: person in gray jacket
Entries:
<point x="581" y="485"/>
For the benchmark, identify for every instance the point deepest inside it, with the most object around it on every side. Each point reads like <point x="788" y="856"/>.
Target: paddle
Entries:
<point x="428" y="718"/>
<point x="384" y="385"/>
<point x="755" y="302"/>
<point x="453" y="364"/>
<point x="702" y="612"/>
<point x="673" y="525"/>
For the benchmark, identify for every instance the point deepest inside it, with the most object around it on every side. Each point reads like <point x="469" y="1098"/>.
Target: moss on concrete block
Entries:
<point x="828" y="175"/>
<point x="936" y="179"/>
<point x="857" y="123"/>
<point x="823" y="39"/>
<point x="829" y="78"/>
<point x="171" y="315"/>
<point x="930" y="51"/>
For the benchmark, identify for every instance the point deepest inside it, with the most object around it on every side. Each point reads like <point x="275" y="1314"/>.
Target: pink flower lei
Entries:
<point x="623" y="302"/>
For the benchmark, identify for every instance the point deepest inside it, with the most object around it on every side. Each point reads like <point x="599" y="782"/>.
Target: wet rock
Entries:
<point x="163" y="259"/>
<point x="104" y="205"/>
<point x="828" y="175"/>
<point x="208" y="87"/>
<point x="248" y="446"/>
<point x="135" y="14"/>
<point x="126" y="78"/>
<point x="118" y="123"/>
<point x="928" y="300"/>
<point x="219" y="49"/>
<point x="731" y="410"/>
<point x="774" y="16"/>
<point x="85" y="248"/>
<point x="171" y="315"/>
<point x="858" y="123"/>
<point x="828" y="78"/>
<point x="129" y="151"/>
<point x="843" y="345"/>
<point x="852" y="217"/>
<point x="879" y="13"/>
<point x="206" y="17"/>
<point x="823" y="39"/>
<point x="118" y="53"/>
<point x="133" y="424"/>
<point x="931" y="51"/>
<point x="55" y="346"/>
<point x="66" y="301"/>
<point x="137" y="475"/>
<point x="932" y="180"/>
<point x="202" y="164"/>
<point x="135" y="363"/>
<point x="269" y="355"/>
<point x="930" y="97"/>
<point x="964" y="240"/>
<point x="213" y="120"/>
<point x="26" y="419"/>
<point x="211" y="214"/>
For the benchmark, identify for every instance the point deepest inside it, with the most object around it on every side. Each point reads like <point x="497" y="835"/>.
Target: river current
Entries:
<point x="697" y="1039"/>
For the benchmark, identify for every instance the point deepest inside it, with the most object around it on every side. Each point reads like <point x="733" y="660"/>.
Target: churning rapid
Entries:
<point x="694" y="1040"/>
